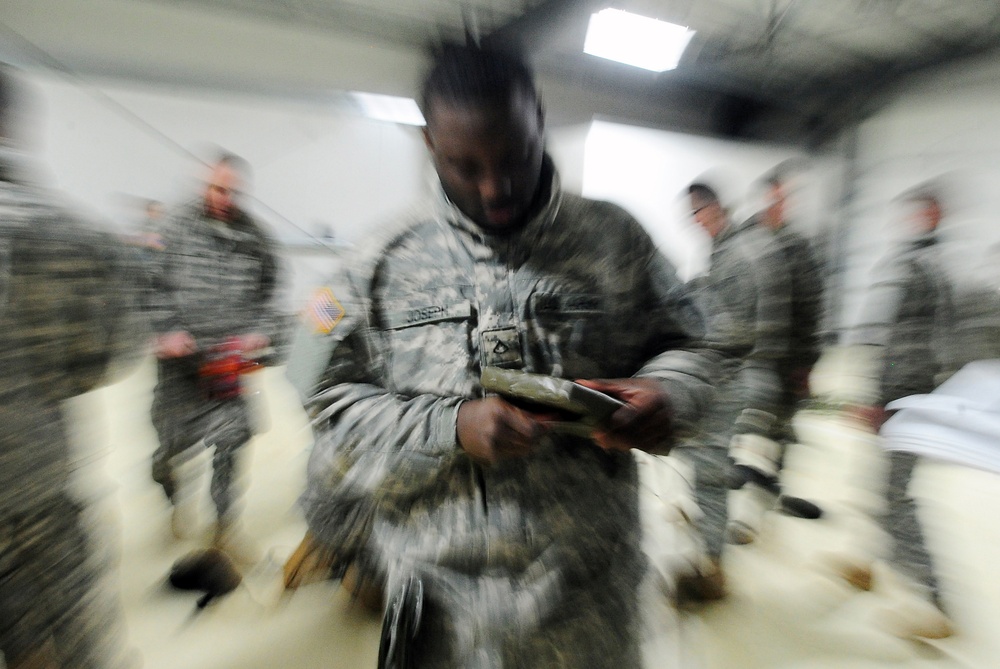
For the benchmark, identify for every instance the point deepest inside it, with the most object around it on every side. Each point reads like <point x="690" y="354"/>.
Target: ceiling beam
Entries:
<point x="850" y="100"/>
<point x="341" y="17"/>
<point x="537" y="26"/>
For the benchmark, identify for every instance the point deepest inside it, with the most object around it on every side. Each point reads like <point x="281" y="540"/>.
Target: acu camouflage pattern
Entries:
<point x="910" y="313"/>
<point x="806" y="283"/>
<point x="746" y="297"/>
<point x="214" y="281"/>
<point x="534" y="561"/>
<point x="908" y="553"/>
<point x="68" y="317"/>
<point x="183" y="415"/>
<point x="806" y="278"/>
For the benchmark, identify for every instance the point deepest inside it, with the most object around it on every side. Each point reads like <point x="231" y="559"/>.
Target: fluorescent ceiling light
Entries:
<point x="636" y="40"/>
<point x="389" y="108"/>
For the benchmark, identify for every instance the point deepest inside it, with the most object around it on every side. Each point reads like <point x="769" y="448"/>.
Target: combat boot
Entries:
<point x="748" y="505"/>
<point x="911" y="610"/>
<point x="706" y="584"/>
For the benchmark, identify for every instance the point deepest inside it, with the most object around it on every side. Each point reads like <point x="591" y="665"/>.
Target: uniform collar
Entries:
<point x="728" y="230"/>
<point x="925" y="239"/>
<point x="240" y="223"/>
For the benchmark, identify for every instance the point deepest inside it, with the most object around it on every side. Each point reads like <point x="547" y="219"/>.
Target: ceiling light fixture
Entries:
<point x="636" y="40"/>
<point x="389" y="108"/>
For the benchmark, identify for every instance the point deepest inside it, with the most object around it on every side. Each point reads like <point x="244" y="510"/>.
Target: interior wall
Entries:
<point x="314" y="168"/>
<point x="568" y="145"/>
<point x="318" y="172"/>
<point x="647" y="171"/>
<point x="319" y="168"/>
<point x="180" y="43"/>
<point x="944" y="127"/>
<point x="186" y="44"/>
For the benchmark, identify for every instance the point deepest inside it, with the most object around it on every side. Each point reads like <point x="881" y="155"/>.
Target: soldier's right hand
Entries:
<point x="490" y="430"/>
<point x="872" y="417"/>
<point x="175" y="345"/>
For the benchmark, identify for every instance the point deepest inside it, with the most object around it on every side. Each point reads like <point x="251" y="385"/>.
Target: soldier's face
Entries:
<point x="926" y="216"/>
<point x="708" y="215"/>
<point x="489" y="158"/>
<point x="775" y="207"/>
<point x="220" y="192"/>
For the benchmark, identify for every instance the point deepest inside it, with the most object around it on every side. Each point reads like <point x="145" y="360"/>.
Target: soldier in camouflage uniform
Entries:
<point x="213" y="282"/>
<point x="525" y="543"/>
<point x="806" y="297"/>
<point x="806" y="283"/>
<point x="67" y="313"/>
<point x="909" y="315"/>
<point x="745" y="297"/>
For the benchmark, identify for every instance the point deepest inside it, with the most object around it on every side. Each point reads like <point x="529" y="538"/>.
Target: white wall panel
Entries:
<point x="314" y="167"/>
<point x="647" y="171"/>
<point x="942" y="126"/>
<point x="319" y="168"/>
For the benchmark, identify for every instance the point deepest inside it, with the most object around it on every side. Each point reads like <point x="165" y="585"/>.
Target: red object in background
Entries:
<point x="221" y="369"/>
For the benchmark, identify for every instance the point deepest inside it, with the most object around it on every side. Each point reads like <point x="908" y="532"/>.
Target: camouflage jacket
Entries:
<point x="909" y="312"/>
<point x="68" y="316"/>
<point x="746" y="298"/>
<point x="806" y="283"/>
<point x="579" y="292"/>
<point x="214" y="280"/>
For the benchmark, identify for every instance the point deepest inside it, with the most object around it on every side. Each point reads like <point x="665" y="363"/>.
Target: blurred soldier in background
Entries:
<point x="147" y="234"/>
<point x="909" y="318"/>
<point x="213" y="309"/>
<point x="805" y="311"/>
<point x="746" y="300"/>
<point x="67" y="314"/>
<point x="806" y="284"/>
<point x="909" y="311"/>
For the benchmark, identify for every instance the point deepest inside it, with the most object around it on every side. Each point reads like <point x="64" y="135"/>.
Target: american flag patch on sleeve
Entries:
<point x="324" y="311"/>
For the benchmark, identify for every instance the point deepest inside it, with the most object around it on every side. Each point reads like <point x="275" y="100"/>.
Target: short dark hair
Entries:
<point x="473" y="75"/>
<point x="703" y="192"/>
<point x="926" y="195"/>
<point x="237" y="163"/>
<point x="784" y="172"/>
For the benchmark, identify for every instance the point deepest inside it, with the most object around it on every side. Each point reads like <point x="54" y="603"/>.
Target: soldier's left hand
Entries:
<point x="644" y="422"/>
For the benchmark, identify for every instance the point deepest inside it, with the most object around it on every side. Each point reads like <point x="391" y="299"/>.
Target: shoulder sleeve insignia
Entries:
<point x="323" y="312"/>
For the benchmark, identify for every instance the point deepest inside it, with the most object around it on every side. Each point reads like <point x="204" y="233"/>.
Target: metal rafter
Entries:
<point x="539" y="24"/>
